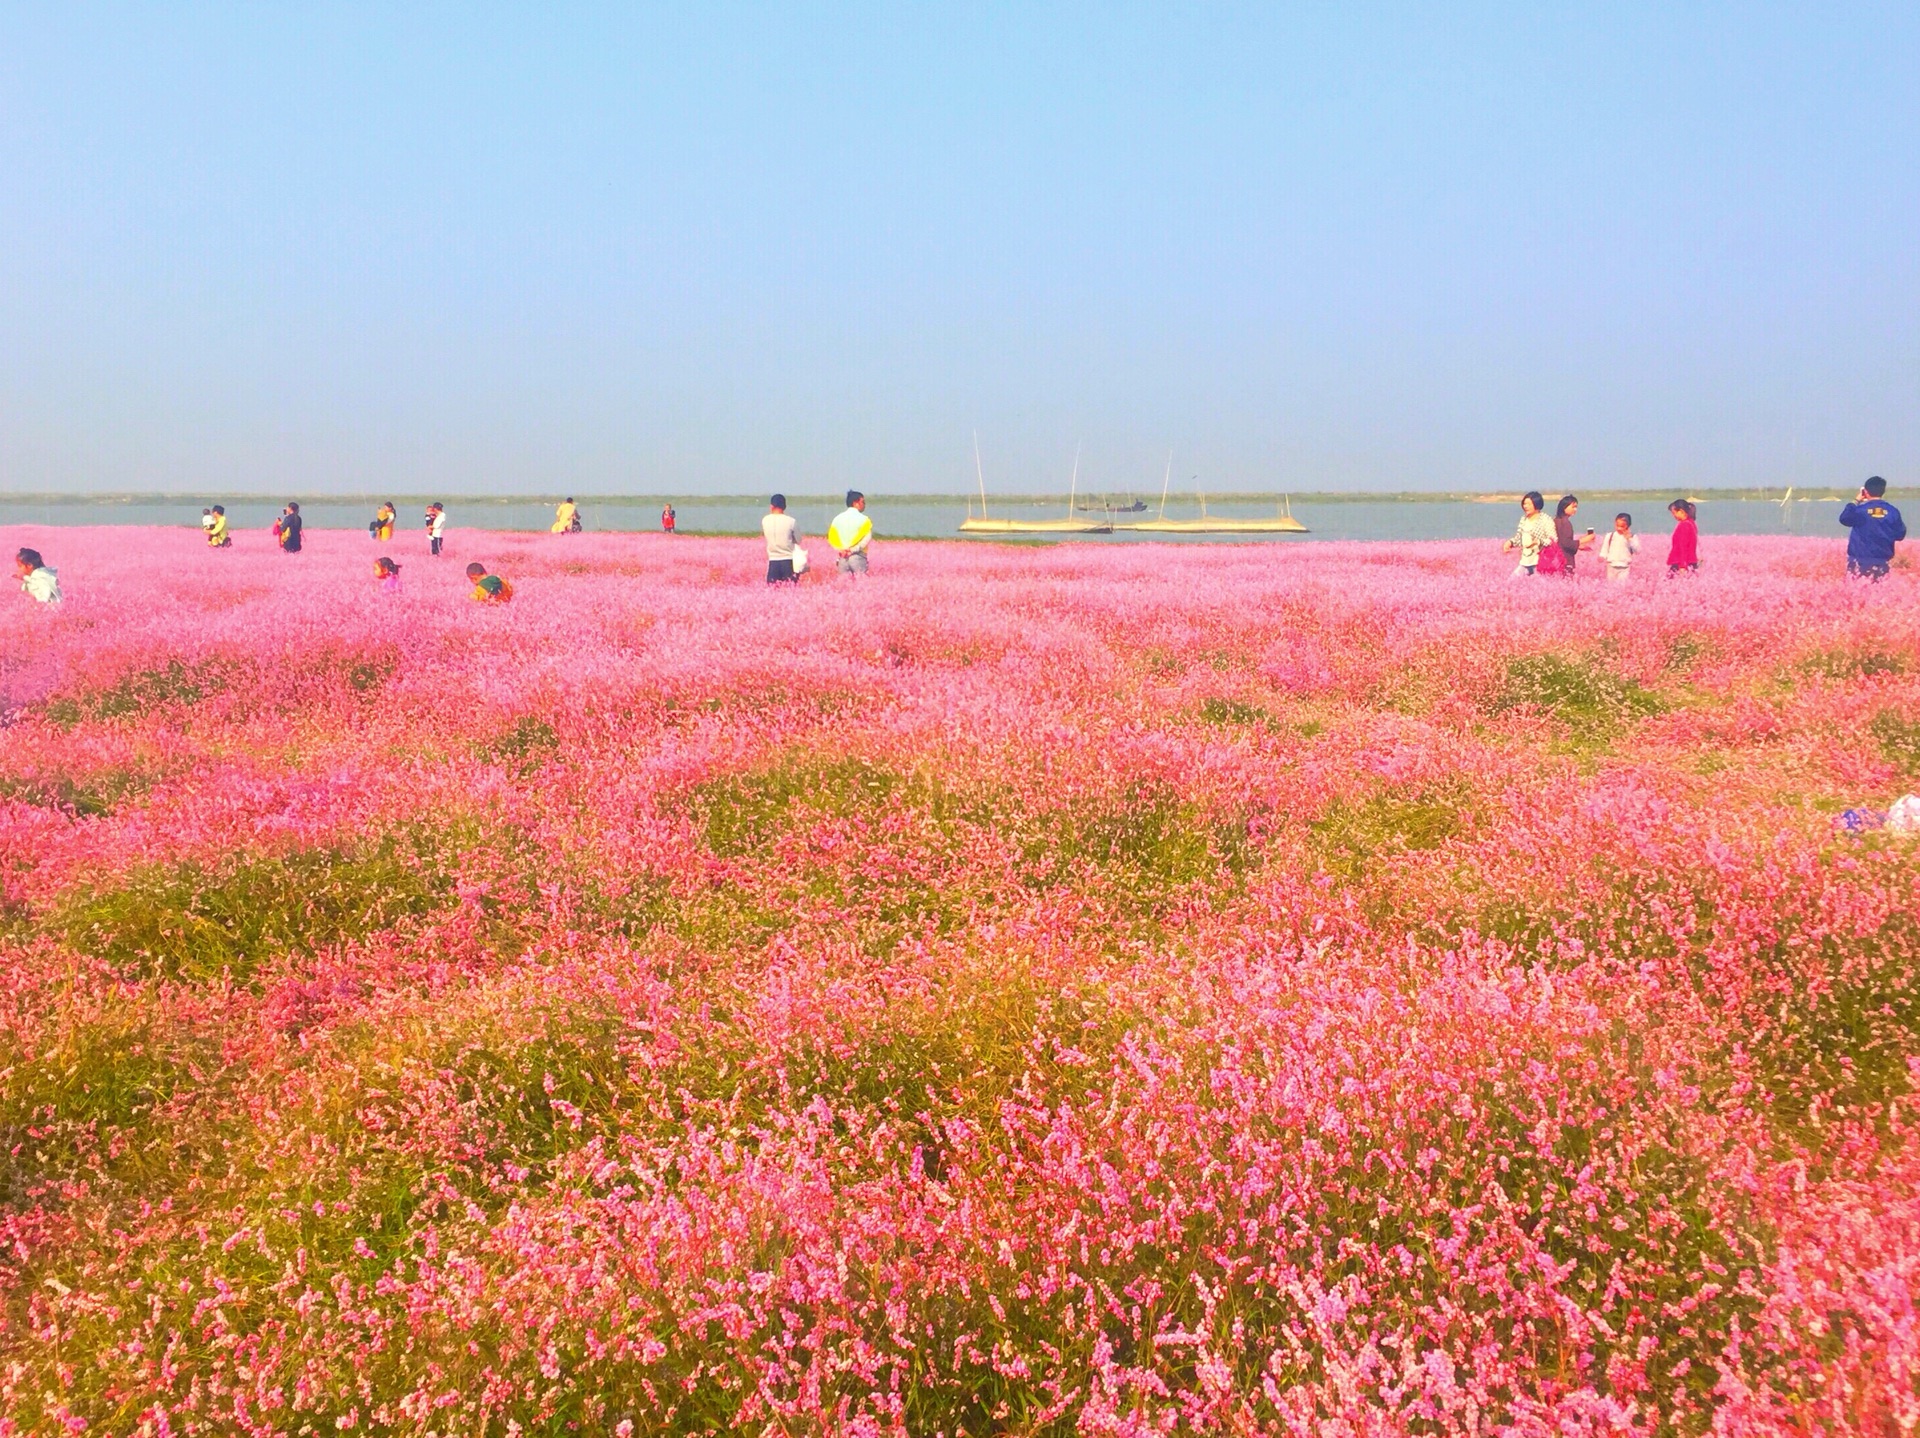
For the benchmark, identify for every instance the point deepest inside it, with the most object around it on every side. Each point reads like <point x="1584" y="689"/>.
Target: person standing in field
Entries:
<point x="667" y="519"/>
<point x="287" y="530"/>
<point x="217" y="536"/>
<point x="36" y="580"/>
<point x="1876" y="528"/>
<point x="1535" y="530"/>
<point x="1617" y="548"/>
<point x="436" y="526"/>
<point x="382" y="526"/>
<point x="1566" y="540"/>
<point x="850" y="533"/>
<point x="566" y="517"/>
<point x="1683" y="553"/>
<point x="781" y="532"/>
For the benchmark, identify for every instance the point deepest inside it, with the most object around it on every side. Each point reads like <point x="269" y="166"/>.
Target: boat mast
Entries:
<point x="1073" y="486"/>
<point x="1166" y="480"/>
<point x="980" y="474"/>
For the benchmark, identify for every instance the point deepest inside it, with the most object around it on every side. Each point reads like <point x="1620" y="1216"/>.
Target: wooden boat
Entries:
<point x="1034" y="526"/>
<point x="1283" y="523"/>
<point x="984" y="525"/>
<point x="1280" y="524"/>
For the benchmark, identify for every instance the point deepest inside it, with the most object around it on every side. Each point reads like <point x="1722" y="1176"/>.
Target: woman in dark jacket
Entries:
<point x="1570" y="543"/>
<point x="289" y="529"/>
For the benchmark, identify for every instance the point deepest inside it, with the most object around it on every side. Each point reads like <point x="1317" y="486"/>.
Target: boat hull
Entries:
<point x="1216" y="526"/>
<point x="1033" y="526"/>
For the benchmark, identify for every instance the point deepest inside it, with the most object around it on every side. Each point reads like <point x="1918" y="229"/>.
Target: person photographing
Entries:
<point x="1877" y="527"/>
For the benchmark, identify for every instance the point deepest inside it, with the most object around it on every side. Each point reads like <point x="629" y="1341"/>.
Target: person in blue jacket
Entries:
<point x="1877" y="527"/>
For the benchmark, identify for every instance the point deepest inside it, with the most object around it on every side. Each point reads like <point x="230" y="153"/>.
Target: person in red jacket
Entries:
<point x="1684" y="552"/>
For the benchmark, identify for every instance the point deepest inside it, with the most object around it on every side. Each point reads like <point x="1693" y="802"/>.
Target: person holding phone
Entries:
<point x="1877" y="527"/>
<point x="1569" y="542"/>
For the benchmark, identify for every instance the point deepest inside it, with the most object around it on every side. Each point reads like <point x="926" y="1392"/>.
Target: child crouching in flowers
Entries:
<point x="36" y="580"/>
<point x="388" y="573"/>
<point x="488" y="588"/>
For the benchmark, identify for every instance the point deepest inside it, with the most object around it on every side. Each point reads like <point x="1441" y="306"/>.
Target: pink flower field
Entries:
<point x="1330" y="989"/>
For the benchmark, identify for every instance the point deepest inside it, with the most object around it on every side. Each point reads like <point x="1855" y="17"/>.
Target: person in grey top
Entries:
<point x="781" y="532"/>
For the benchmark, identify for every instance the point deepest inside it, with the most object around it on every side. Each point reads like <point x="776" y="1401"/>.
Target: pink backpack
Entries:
<point x="1553" y="559"/>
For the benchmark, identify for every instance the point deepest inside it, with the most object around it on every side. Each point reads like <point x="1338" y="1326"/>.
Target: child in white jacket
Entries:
<point x="1617" y="548"/>
<point x="38" y="581"/>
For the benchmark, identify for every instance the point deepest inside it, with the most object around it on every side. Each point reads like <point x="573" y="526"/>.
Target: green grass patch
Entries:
<point x="1143" y="843"/>
<point x="175" y="683"/>
<point x="195" y="922"/>
<point x="1898" y="738"/>
<point x="1233" y="714"/>
<point x="1350" y="838"/>
<point x="524" y="745"/>
<point x="1853" y="663"/>
<point x="1582" y="695"/>
<point x="88" y="797"/>
<point x="740" y="813"/>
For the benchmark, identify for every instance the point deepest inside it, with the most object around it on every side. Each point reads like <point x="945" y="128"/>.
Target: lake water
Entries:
<point x="939" y="516"/>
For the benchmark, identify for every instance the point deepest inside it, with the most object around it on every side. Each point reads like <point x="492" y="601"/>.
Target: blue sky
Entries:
<point x="723" y="249"/>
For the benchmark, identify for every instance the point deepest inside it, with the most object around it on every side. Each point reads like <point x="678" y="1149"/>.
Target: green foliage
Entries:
<point x="1582" y="695"/>
<point x="1853" y="663"/>
<point x="1141" y="843"/>
<point x="81" y="1102"/>
<point x="1351" y="837"/>
<point x="1899" y="740"/>
<point x="84" y="798"/>
<point x="739" y="813"/>
<point x="176" y="683"/>
<point x="1683" y="649"/>
<point x="1833" y="1030"/>
<point x="194" y="922"/>
<point x="1232" y="714"/>
<point x="525" y="745"/>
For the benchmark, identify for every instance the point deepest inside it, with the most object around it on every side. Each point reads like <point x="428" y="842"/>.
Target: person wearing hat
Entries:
<point x="850" y="533"/>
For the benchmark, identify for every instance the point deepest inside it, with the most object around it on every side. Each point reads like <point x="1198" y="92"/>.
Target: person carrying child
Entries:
<point x="436" y="526"/>
<point x="36" y="580"/>
<point x="287" y="529"/>
<point x="1683" y="554"/>
<point x="1617" y="548"/>
<point x="566" y="517"/>
<point x="381" y="528"/>
<point x="668" y="519"/>
<point x="217" y="536"/>
<point x="488" y="588"/>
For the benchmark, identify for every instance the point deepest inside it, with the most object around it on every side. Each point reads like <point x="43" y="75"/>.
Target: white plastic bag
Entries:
<point x="1904" y="816"/>
<point x="799" y="561"/>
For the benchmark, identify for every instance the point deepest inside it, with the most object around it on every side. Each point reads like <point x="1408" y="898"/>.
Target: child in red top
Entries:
<point x="1684" y="552"/>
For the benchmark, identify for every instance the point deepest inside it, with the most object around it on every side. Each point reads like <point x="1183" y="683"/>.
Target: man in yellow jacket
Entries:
<point x="850" y="533"/>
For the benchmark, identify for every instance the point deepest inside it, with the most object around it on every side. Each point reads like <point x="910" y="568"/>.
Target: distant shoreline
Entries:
<point x="798" y="498"/>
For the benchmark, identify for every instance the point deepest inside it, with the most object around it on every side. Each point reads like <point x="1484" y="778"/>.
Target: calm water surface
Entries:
<point x="939" y="516"/>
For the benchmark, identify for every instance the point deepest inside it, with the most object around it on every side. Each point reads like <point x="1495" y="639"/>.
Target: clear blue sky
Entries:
<point x="719" y="249"/>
